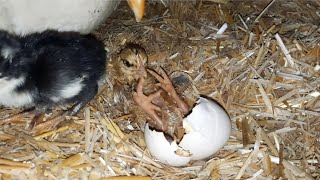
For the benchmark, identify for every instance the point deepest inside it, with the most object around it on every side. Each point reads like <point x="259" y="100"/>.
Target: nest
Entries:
<point x="264" y="70"/>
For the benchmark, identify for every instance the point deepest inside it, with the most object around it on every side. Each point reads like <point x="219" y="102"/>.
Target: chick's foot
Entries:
<point x="166" y="84"/>
<point x="145" y="102"/>
<point x="50" y="124"/>
<point x="36" y="119"/>
<point x="18" y="117"/>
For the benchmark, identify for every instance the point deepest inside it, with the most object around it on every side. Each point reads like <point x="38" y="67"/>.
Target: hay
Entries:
<point x="264" y="69"/>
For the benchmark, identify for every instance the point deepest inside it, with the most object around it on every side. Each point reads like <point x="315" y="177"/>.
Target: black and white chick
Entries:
<point x="44" y="70"/>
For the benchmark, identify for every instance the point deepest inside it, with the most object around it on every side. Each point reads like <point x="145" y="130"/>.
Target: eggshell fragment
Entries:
<point x="207" y="127"/>
<point x="162" y="149"/>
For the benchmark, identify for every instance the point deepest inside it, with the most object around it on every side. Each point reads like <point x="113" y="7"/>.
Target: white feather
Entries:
<point x="72" y="89"/>
<point x="7" y="52"/>
<point x="10" y="97"/>
<point x="69" y="91"/>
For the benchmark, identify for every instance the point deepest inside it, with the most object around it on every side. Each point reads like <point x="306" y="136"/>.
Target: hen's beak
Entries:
<point x="137" y="7"/>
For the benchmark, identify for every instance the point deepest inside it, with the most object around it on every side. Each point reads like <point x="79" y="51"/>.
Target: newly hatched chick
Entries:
<point x="43" y="70"/>
<point x="131" y="63"/>
<point x="164" y="108"/>
<point x="126" y="70"/>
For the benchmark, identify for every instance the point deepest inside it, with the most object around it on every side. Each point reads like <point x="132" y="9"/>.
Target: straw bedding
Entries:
<point x="264" y="70"/>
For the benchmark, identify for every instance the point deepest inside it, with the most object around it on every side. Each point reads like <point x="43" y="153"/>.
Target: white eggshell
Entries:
<point x="162" y="149"/>
<point x="207" y="127"/>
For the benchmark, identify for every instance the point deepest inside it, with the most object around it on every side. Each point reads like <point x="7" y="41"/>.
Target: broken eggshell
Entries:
<point x="207" y="129"/>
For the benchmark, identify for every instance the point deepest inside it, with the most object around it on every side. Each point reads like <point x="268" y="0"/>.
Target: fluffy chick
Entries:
<point x="44" y="70"/>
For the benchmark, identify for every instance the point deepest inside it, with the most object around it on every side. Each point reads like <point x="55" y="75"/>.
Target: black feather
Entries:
<point x="50" y="63"/>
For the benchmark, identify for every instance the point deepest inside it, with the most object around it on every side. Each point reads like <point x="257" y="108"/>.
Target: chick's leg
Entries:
<point x="165" y="84"/>
<point x="18" y="117"/>
<point x="145" y="102"/>
<point x="52" y="123"/>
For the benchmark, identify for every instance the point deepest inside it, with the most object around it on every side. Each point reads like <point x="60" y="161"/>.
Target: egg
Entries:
<point x="207" y="129"/>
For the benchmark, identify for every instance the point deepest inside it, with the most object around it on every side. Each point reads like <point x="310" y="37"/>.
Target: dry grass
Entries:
<point x="264" y="69"/>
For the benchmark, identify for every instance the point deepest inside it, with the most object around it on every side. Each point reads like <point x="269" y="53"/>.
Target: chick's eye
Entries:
<point x="127" y="63"/>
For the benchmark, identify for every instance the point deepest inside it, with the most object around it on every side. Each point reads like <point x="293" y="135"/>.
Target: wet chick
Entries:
<point x="131" y="63"/>
<point x="162" y="104"/>
<point x="154" y="93"/>
<point x="126" y="70"/>
<point x="44" y="70"/>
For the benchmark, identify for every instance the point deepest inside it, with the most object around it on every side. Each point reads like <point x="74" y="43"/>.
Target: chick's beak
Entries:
<point x="142" y="70"/>
<point x="137" y="6"/>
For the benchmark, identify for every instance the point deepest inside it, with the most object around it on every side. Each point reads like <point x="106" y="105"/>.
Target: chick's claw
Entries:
<point x="145" y="102"/>
<point x="38" y="117"/>
<point x="17" y="117"/>
<point x="49" y="124"/>
<point x="166" y="84"/>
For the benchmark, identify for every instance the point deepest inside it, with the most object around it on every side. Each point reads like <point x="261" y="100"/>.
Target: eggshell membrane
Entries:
<point x="208" y="129"/>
